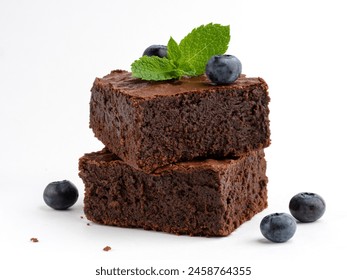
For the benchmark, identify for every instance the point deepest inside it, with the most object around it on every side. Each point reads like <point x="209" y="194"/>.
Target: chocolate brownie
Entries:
<point x="151" y="124"/>
<point x="203" y="198"/>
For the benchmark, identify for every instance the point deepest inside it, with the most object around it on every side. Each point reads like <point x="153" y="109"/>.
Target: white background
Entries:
<point x="50" y="53"/>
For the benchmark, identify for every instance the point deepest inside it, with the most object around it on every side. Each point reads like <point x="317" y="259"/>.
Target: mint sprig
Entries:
<point x="188" y="58"/>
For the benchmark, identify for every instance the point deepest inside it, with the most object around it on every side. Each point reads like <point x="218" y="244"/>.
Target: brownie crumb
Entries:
<point x="107" y="248"/>
<point x="88" y="224"/>
<point x="34" y="239"/>
<point x="82" y="217"/>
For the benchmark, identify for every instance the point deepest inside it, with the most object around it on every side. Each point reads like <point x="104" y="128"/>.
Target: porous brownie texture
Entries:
<point x="152" y="124"/>
<point x="198" y="198"/>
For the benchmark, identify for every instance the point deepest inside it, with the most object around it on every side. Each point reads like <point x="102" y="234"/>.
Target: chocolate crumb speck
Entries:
<point x="107" y="248"/>
<point x="81" y="217"/>
<point x="34" y="239"/>
<point x="88" y="224"/>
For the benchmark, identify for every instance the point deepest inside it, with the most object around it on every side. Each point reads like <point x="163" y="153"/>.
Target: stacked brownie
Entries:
<point x="183" y="156"/>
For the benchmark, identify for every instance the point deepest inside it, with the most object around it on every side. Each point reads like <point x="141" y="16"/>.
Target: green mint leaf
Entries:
<point x="174" y="53"/>
<point x="154" y="68"/>
<point x="188" y="58"/>
<point x="202" y="43"/>
<point x="173" y="50"/>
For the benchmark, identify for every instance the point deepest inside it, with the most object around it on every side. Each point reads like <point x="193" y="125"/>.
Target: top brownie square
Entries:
<point x="152" y="124"/>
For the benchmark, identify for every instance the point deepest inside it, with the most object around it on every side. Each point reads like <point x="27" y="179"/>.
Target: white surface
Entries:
<point x="50" y="53"/>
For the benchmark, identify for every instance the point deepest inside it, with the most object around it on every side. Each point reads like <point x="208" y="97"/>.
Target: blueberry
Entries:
<point x="156" y="50"/>
<point x="278" y="227"/>
<point x="60" y="195"/>
<point x="223" y="69"/>
<point x="307" y="207"/>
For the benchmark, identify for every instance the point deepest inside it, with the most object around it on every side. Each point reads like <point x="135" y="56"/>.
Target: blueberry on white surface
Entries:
<point x="307" y="207"/>
<point x="156" y="50"/>
<point x="223" y="69"/>
<point x="278" y="227"/>
<point x="60" y="195"/>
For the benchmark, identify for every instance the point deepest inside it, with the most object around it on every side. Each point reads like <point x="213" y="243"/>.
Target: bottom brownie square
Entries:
<point x="203" y="198"/>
